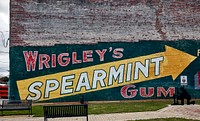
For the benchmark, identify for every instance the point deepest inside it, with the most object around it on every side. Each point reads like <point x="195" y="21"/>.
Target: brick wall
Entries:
<point x="49" y="22"/>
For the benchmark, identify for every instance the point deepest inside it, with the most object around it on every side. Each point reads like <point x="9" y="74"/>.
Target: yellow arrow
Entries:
<point x="176" y="61"/>
<point x="104" y="76"/>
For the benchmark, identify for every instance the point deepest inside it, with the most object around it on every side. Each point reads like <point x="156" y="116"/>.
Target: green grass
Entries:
<point x="166" y="119"/>
<point x="109" y="107"/>
<point x="119" y="107"/>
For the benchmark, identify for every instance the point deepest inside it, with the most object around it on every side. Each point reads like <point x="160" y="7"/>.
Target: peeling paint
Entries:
<point x="90" y="21"/>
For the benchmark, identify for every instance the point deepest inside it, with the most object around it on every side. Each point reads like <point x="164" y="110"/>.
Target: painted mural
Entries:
<point x="61" y="50"/>
<point x="104" y="71"/>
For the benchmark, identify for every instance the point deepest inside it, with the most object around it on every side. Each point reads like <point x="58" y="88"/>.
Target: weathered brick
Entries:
<point x="89" y="21"/>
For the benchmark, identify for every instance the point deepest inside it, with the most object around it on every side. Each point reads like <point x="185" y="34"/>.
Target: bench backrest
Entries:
<point x="65" y="111"/>
<point x="14" y="104"/>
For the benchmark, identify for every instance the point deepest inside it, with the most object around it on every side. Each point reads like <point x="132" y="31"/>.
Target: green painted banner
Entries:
<point x="105" y="71"/>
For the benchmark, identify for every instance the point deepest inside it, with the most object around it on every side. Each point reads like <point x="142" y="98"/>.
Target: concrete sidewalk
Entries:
<point x="178" y="111"/>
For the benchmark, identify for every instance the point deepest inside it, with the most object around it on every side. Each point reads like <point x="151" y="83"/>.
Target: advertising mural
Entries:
<point x="104" y="71"/>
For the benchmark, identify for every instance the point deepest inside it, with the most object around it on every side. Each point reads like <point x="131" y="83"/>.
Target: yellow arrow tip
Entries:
<point x="176" y="61"/>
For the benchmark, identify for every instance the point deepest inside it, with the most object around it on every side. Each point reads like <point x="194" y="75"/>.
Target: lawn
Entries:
<point x="119" y="107"/>
<point x="109" y="107"/>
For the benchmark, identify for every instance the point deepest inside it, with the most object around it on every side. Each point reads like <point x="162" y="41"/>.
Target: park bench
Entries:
<point x="181" y="96"/>
<point x="65" y="111"/>
<point x="11" y="105"/>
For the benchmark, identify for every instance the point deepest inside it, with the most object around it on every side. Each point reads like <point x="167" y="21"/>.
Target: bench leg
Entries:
<point x="30" y="112"/>
<point x="182" y="101"/>
<point x="175" y="98"/>
<point x="45" y="119"/>
<point x="87" y="118"/>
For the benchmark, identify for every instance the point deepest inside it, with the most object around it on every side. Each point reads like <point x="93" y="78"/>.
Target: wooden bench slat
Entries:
<point x="65" y="111"/>
<point x="9" y="105"/>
